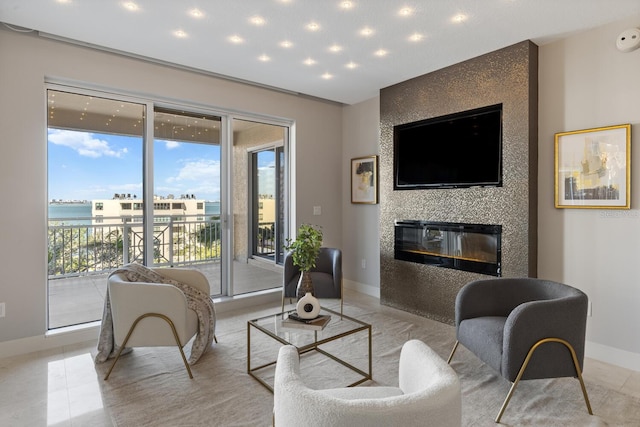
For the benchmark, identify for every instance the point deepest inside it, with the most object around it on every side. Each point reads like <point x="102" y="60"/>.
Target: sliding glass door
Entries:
<point x="123" y="190"/>
<point x="260" y="212"/>
<point x="134" y="180"/>
<point x="187" y="230"/>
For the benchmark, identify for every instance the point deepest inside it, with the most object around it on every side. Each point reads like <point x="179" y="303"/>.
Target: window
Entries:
<point x="101" y="155"/>
<point x="185" y="151"/>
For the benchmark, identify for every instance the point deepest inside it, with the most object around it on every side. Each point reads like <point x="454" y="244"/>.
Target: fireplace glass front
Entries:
<point x="467" y="247"/>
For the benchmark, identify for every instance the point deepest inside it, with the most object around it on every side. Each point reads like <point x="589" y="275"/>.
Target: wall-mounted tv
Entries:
<point x="457" y="150"/>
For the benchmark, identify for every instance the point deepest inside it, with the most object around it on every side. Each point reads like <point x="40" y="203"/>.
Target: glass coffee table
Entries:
<point x="307" y="340"/>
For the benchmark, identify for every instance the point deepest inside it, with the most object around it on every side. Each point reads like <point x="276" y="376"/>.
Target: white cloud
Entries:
<point x="267" y="179"/>
<point x="172" y="144"/>
<point x="200" y="177"/>
<point x="84" y="143"/>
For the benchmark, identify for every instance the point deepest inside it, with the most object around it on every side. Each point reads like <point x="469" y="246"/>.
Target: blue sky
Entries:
<point x="86" y="166"/>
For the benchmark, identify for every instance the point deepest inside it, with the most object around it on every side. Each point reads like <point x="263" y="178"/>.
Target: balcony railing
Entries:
<point x="265" y="244"/>
<point x="97" y="245"/>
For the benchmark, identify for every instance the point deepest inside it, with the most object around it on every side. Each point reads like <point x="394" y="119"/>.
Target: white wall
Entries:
<point x="27" y="60"/>
<point x="360" y="230"/>
<point x="585" y="82"/>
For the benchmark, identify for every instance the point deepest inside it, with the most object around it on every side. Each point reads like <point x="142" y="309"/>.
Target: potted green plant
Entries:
<point x="304" y="252"/>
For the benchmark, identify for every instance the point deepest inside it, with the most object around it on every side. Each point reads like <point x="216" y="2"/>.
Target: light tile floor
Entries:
<point x="59" y="387"/>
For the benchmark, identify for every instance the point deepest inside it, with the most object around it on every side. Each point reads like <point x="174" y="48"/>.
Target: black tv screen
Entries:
<point x="458" y="150"/>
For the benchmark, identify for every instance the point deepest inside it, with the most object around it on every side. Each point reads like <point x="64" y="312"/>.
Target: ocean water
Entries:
<point x="80" y="213"/>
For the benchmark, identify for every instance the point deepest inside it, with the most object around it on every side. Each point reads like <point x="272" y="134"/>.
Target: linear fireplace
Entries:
<point x="468" y="247"/>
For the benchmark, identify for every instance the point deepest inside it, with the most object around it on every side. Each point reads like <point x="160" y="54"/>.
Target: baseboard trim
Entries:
<point x="53" y="339"/>
<point x="362" y="288"/>
<point x="613" y="356"/>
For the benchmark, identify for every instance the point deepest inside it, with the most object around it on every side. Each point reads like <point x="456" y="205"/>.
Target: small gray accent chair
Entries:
<point x="428" y="394"/>
<point x="326" y="276"/>
<point x="524" y="328"/>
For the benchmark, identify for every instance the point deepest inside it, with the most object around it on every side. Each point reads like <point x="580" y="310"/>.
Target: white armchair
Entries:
<point x="428" y="395"/>
<point x="154" y="314"/>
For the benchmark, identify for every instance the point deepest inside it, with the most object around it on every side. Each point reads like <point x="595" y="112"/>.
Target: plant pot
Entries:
<point x="305" y="285"/>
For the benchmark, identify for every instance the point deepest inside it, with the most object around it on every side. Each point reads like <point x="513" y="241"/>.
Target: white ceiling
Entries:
<point x="149" y="32"/>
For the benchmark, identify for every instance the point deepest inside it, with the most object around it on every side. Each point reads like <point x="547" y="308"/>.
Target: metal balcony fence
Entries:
<point x="265" y="244"/>
<point x="84" y="246"/>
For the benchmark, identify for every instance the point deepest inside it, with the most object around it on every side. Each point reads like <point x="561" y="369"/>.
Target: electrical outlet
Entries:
<point x="364" y="263"/>
<point x="1" y="309"/>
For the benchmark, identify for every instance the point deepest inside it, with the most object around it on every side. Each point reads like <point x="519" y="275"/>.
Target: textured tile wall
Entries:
<point x="507" y="76"/>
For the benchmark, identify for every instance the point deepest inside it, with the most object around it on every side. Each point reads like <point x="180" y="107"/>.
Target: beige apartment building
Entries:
<point x="125" y="208"/>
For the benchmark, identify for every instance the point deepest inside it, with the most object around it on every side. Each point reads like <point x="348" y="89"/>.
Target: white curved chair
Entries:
<point x="428" y="395"/>
<point x="154" y="314"/>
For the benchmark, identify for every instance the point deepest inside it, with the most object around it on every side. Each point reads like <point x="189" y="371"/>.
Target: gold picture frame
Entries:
<point x="592" y="168"/>
<point x="364" y="180"/>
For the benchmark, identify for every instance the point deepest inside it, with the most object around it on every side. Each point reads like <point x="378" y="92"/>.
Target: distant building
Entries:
<point x="266" y="209"/>
<point x="124" y="208"/>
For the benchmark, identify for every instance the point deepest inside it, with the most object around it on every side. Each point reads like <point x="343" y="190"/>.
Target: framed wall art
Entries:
<point x="592" y="168"/>
<point x="364" y="180"/>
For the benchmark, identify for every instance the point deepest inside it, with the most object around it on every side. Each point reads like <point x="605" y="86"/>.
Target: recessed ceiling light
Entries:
<point x="196" y="13"/>
<point x="459" y="18"/>
<point x="309" y="61"/>
<point x="327" y="76"/>
<point x="351" y="65"/>
<point x="131" y="6"/>
<point x="63" y="1"/>
<point x="335" y="48"/>
<point x="405" y="11"/>
<point x="286" y="44"/>
<point x="312" y="26"/>
<point x="264" y="58"/>
<point x="380" y="52"/>
<point x="346" y="5"/>
<point x="257" y="20"/>
<point x="416" y="37"/>
<point x="180" y="34"/>
<point x="235" y="39"/>
<point x="366" y="32"/>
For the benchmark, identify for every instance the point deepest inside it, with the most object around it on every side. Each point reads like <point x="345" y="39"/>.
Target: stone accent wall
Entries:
<point x="508" y="76"/>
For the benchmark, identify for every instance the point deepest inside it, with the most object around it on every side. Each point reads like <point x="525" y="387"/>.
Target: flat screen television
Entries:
<point x="453" y="151"/>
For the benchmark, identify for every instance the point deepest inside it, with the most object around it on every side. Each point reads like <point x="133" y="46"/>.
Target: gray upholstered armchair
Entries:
<point x="326" y="276"/>
<point x="523" y="328"/>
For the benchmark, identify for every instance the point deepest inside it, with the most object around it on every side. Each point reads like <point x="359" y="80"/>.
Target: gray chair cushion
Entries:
<point x="326" y="276"/>
<point x="483" y="336"/>
<point x="532" y="309"/>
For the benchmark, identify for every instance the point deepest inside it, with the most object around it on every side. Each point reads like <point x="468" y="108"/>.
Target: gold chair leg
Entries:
<point x="455" y="347"/>
<point x="526" y="362"/>
<point x="133" y="326"/>
<point x="341" y="297"/>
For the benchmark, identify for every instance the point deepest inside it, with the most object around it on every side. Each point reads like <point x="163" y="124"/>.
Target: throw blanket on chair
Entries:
<point x="197" y="300"/>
